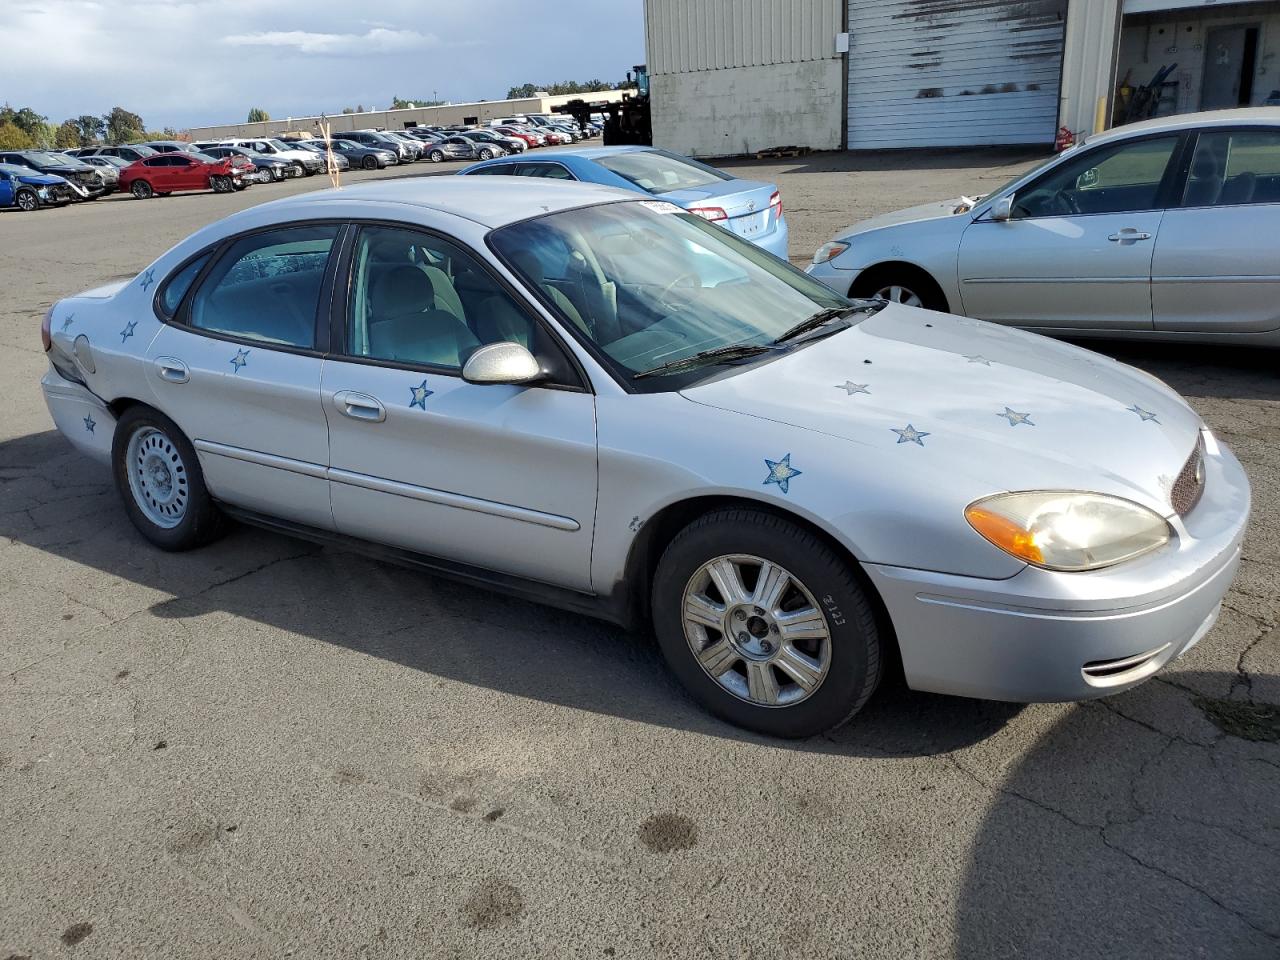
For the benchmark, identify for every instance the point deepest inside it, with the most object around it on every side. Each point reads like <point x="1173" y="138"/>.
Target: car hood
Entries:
<point x="934" y="210"/>
<point x="994" y="408"/>
<point x="41" y="179"/>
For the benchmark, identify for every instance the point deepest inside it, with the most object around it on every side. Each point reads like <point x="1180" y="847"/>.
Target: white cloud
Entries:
<point x="375" y="40"/>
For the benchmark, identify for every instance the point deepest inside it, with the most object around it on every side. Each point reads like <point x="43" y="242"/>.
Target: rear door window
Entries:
<point x="266" y="286"/>
<point x="1234" y="167"/>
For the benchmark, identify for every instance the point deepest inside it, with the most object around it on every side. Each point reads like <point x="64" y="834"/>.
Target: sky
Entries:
<point x="184" y="63"/>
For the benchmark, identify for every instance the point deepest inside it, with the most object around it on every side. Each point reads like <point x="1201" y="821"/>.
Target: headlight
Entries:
<point x="1067" y="530"/>
<point x="829" y="251"/>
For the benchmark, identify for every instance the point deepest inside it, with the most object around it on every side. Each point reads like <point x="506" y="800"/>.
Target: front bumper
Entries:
<point x="1047" y="636"/>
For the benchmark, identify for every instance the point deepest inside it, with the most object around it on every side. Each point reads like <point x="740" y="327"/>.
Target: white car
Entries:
<point x="307" y="162"/>
<point x="598" y="400"/>
<point x="1160" y="230"/>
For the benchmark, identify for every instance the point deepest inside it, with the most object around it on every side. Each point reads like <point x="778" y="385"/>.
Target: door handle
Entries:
<point x="359" y="406"/>
<point x="1127" y="234"/>
<point x="172" y="369"/>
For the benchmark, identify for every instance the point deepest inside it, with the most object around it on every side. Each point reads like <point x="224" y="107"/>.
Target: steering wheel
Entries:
<point x="1064" y="204"/>
<point x="687" y="275"/>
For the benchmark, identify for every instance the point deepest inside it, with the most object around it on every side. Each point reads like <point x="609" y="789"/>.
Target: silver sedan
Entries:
<point x="601" y="401"/>
<point x="1163" y="229"/>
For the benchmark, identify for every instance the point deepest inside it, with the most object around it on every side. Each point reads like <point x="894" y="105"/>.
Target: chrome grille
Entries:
<point x="1190" y="483"/>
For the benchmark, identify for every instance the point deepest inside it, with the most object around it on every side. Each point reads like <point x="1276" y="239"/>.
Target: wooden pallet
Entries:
<point x="774" y="153"/>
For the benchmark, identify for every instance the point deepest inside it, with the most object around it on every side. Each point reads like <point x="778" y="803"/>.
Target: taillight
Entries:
<point x="775" y="202"/>
<point x="46" y="329"/>
<point x="709" y="213"/>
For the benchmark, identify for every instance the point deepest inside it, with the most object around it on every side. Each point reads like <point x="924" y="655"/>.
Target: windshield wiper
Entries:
<point x="823" y="317"/>
<point x="737" y="351"/>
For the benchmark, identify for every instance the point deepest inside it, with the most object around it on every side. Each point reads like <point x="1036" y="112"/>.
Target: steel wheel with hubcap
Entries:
<point x="767" y="643"/>
<point x="437" y="156"/>
<point x="159" y="479"/>
<point x="896" y="293"/>
<point x="765" y="623"/>
<point x="486" y="154"/>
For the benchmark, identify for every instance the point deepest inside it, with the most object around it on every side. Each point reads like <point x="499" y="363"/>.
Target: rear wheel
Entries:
<point x="765" y="624"/>
<point x="26" y="200"/>
<point x="141" y="190"/>
<point x="900" y="283"/>
<point x="486" y="154"/>
<point x="437" y="156"/>
<point x="159" y="480"/>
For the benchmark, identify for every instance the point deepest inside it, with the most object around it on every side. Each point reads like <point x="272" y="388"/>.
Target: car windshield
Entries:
<point x="54" y="159"/>
<point x="648" y="284"/>
<point x="658" y="172"/>
<point x="279" y="144"/>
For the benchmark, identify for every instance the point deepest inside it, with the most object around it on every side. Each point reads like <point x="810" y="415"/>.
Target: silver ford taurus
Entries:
<point x="1163" y="229"/>
<point x="600" y="401"/>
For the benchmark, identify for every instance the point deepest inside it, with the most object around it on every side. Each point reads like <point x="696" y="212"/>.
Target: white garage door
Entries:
<point x="926" y="73"/>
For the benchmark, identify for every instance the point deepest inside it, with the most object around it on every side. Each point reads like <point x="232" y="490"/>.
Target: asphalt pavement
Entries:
<point x="269" y="749"/>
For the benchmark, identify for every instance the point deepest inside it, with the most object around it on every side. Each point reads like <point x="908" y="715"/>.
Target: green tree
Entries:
<point x="522" y="92"/>
<point x="258" y="115"/>
<point x="90" y="128"/>
<point x="67" y="135"/>
<point x="25" y="119"/>
<point x="123" y="126"/>
<point x="13" y="137"/>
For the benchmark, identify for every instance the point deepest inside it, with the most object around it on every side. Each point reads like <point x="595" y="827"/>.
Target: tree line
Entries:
<point x="527" y="90"/>
<point x="22" y="128"/>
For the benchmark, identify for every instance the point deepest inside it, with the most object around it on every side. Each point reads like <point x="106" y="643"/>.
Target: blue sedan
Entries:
<point x="29" y="189"/>
<point x="748" y="208"/>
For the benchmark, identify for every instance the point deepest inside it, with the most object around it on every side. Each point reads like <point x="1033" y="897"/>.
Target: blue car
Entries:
<point x="749" y="208"/>
<point x="28" y="190"/>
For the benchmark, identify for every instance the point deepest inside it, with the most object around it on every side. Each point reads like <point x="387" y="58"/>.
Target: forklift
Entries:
<point x="625" y="122"/>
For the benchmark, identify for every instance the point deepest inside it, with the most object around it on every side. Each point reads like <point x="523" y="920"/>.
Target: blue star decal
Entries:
<point x="148" y="278"/>
<point x="127" y="332"/>
<point x="910" y="435"/>
<point x="850" y="388"/>
<point x="89" y="423"/>
<point x="1144" y="415"/>
<point x="240" y="359"/>
<point x="781" y="472"/>
<point x="66" y="321"/>
<point x="420" y="394"/>
<point x="978" y="358"/>
<point x="1016" y="418"/>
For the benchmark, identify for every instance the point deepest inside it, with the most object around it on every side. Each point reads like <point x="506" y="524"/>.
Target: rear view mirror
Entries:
<point x="1002" y="209"/>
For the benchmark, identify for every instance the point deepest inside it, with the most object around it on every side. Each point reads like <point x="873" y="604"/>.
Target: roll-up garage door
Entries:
<point x="926" y="73"/>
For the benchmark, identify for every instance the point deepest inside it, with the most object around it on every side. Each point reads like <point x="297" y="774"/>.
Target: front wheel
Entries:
<point x="437" y="156"/>
<point x="141" y="190"/>
<point x="159" y="479"/>
<point x="765" y="624"/>
<point x="369" y="163"/>
<point x="220" y="184"/>
<point x="903" y="285"/>
<point x="27" y="201"/>
<point x="486" y="154"/>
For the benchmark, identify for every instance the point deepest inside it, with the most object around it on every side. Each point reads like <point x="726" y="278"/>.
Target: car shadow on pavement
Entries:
<point x="60" y="503"/>
<point x="1199" y="369"/>
<point x="1144" y="825"/>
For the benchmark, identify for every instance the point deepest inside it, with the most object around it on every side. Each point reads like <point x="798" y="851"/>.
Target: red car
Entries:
<point x="167" y="173"/>
<point x="529" y="139"/>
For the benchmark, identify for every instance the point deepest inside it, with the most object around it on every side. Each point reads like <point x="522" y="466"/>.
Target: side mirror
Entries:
<point x="1002" y="209"/>
<point x="501" y="363"/>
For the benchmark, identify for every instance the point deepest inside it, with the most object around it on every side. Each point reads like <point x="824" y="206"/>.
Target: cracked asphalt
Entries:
<point x="266" y="749"/>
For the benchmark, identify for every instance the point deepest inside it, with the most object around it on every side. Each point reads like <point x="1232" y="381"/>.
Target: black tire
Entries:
<point x="202" y="522"/>
<point x="27" y="201"/>
<point x="871" y="282"/>
<point x="437" y="156"/>
<point x="855" y="654"/>
<point x="486" y="154"/>
<point x="369" y="163"/>
<point x="141" y="190"/>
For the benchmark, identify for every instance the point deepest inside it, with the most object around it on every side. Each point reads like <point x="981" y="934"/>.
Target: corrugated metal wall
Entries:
<point x="683" y="36"/>
<point x="953" y="72"/>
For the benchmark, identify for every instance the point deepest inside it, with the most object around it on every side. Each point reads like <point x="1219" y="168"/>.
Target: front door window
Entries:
<point x="1117" y="179"/>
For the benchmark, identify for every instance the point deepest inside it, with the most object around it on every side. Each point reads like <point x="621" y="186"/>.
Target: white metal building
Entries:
<point x="735" y="76"/>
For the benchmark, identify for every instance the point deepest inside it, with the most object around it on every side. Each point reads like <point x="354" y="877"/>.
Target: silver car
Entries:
<point x="598" y="400"/>
<point x="1163" y="229"/>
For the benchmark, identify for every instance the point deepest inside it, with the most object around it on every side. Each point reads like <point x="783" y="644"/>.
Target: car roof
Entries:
<point x="490" y="201"/>
<point x="1189" y="121"/>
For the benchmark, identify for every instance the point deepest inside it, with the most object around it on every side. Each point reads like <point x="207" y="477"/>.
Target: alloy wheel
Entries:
<point x="756" y="630"/>
<point x="27" y="201"/>
<point x="896" y="293"/>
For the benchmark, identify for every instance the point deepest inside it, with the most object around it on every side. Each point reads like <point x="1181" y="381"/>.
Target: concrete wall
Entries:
<point x="1088" y="64"/>
<point x="715" y="113"/>
<point x="483" y="110"/>
<point x="1150" y="40"/>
